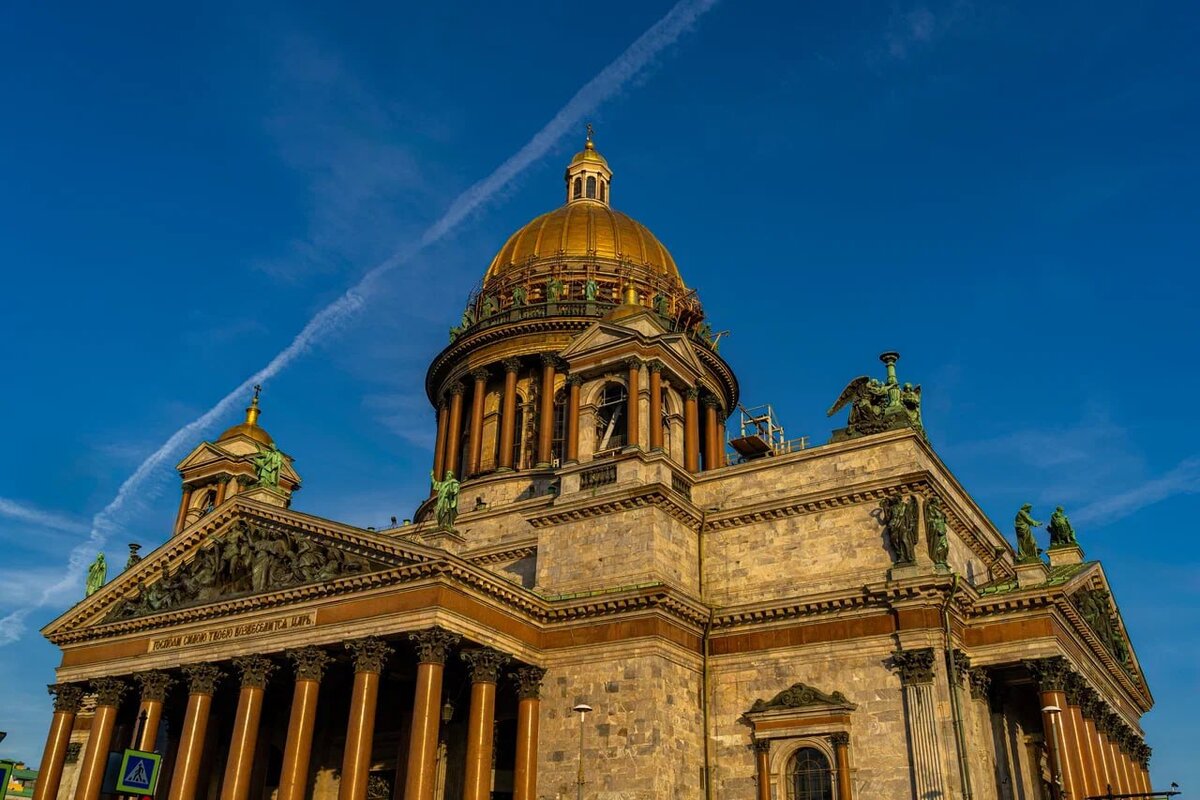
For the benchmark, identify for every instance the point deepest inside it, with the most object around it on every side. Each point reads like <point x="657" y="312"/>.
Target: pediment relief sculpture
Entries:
<point x="801" y="695"/>
<point x="1096" y="608"/>
<point x="246" y="559"/>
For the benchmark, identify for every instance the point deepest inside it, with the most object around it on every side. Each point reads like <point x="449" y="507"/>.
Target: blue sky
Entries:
<point x="1004" y="192"/>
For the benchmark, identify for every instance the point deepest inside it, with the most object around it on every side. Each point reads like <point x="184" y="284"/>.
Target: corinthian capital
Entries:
<point x="485" y="663"/>
<point x="432" y="644"/>
<point x="255" y="670"/>
<point x="67" y="696"/>
<point x="154" y="685"/>
<point x="202" y="678"/>
<point x="529" y="682"/>
<point x="1050" y="674"/>
<point x="369" y="654"/>
<point x="109" y="691"/>
<point x="310" y="663"/>
<point x="915" y="666"/>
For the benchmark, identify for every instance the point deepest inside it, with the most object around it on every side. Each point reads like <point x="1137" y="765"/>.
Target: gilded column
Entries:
<point x="762" y="768"/>
<point x="841" y="757"/>
<point x="244" y="739"/>
<point x="1107" y="724"/>
<point x="108" y="693"/>
<point x="454" y="431"/>
<point x="1074" y="753"/>
<point x="573" y="384"/>
<point x="508" y="414"/>
<point x="545" y="441"/>
<point x="369" y="655"/>
<point x="310" y="668"/>
<point x="202" y="682"/>
<point x="222" y="485"/>
<point x="155" y="686"/>
<point x="475" y="436"/>
<point x="656" y="428"/>
<point x="1092" y="707"/>
<point x="713" y="445"/>
<point x="184" y="501"/>
<point x="1078" y="693"/>
<point x="529" y="694"/>
<point x="1124" y="736"/>
<point x="1144" y="753"/>
<point x="632" y="407"/>
<point x="691" y="430"/>
<point x="431" y="645"/>
<point x="67" y="697"/>
<point x="485" y="666"/>
<point x="439" y="446"/>
<point x="920" y="711"/>
<point x="1050" y="675"/>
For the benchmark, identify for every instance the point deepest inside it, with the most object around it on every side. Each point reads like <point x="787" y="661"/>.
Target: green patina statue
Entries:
<point x="267" y="466"/>
<point x="518" y="295"/>
<point x="935" y="531"/>
<point x="468" y="317"/>
<point x="1061" y="532"/>
<point x="590" y="290"/>
<point x="662" y="305"/>
<point x="490" y="305"/>
<point x="554" y="290"/>
<point x="877" y="406"/>
<point x="900" y="517"/>
<point x="1027" y="549"/>
<point x="96" y="575"/>
<point x="446" y="506"/>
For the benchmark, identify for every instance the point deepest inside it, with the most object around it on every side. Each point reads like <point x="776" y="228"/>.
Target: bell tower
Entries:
<point x="588" y="175"/>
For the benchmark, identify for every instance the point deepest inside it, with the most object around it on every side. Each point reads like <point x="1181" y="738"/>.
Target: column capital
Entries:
<point x="654" y="365"/>
<point x="840" y="738"/>
<point x="202" y="678"/>
<point x="1074" y="688"/>
<point x="310" y="662"/>
<point x="632" y="362"/>
<point x="574" y="380"/>
<point x="67" y="696"/>
<point x="485" y="663"/>
<point x="256" y="670"/>
<point x="550" y="360"/>
<point x="1050" y="674"/>
<point x="692" y="393"/>
<point x="962" y="666"/>
<point x="108" y="691"/>
<point x="915" y="666"/>
<point x="1107" y="722"/>
<point x="1143" y="755"/>
<point x="511" y="364"/>
<point x="369" y="654"/>
<point x="1090" y="703"/>
<point x="456" y="388"/>
<point x="761" y="745"/>
<point x="432" y="644"/>
<point x="480" y="375"/>
<point x="529" y="682"/>
<point x="709" y="401"/>
<point x="155" y="685"/>
<point x="981" y="682"/>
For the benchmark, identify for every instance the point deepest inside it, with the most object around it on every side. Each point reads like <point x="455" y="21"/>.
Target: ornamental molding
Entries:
<point x="310" y="662"/>
<point x="929" y="589"/>
<point x="528" y="681"/>
<point x="155" y="685"/>
<point x="642" y="496"/>
<point x="801" y="695"/>
<point x="67" y="697"/>
<point x="484" y="663"/>
<point x="915" y="666"/>
<point x="815" y="502"/>
<point x="369" y="654"/>
<point x="503" y="553"/>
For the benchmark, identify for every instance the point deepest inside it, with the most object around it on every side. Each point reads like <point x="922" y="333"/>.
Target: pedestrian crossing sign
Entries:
<point x="139" y="772"/>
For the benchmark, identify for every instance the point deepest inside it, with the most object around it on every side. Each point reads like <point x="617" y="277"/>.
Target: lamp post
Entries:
<point x="583" y="709"/>
<point x="1052" y="713"/>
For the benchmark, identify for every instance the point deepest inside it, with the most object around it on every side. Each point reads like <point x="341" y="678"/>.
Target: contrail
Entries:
<point x="608" y="82"/>
<point x="45" y="519"/>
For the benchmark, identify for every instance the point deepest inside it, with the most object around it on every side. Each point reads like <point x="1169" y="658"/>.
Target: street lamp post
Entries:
<point x="583" y="709"/>
<point x="1051" y="713"/>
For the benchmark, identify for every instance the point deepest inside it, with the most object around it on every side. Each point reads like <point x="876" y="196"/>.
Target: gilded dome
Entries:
<point x="250" y="426"/>
<point x="585" y="229"/>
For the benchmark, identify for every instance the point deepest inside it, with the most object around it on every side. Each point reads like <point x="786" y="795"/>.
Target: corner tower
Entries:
<point x="582" y="342"/>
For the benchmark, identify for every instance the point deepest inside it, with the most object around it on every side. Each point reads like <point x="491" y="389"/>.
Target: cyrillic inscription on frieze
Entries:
<point x="230" y="632"/>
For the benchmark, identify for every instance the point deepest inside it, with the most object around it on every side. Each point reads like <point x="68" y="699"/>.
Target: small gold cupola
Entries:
<point x="588" y="176"/>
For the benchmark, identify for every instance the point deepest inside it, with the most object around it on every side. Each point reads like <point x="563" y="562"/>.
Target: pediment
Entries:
<point x="205" y="453"/>
<point x="241" y="550"/>
<point x="1092" y="597"/>
<point x="802" y="696"/>
<point x="642" y="330"/>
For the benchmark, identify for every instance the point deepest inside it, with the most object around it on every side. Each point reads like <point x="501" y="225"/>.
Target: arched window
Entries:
<point x="610" y="418"/>
<point x="578" y="188"/>
<point x="591" y="184"/>
<point x="603" y="191"/>
<point x="808" y="776"/>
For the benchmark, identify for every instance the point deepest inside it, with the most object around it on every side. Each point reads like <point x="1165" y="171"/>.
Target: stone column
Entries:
<point x="545" y="440"/>
<point x="202" y="682"/>
<point x="221" y="487"/>
<point x="920" y="711"/>
<point x="439" y="446"/>
<point x="184" y="501"/>
<point x="529" y="694"/>
<point x="475" y="436"/>
<point x="841" y="757"/>
<point x="431" y="645"/>
<point x="573" y="384"/>
<point x="762" y="768"/>
<point x="1123" y="736"/>
<point x="369" y="655"/>
<point x="1075" y="750"/>
<point x="244" y="739"/>
<point x="1050" y="675"/>
<point x="713" y="447"/>
<point x="1091" y="706"/>
<point x="656" y="428"/>
<point x="1089" y="775"/>
<point x="1106" y="723"/>
<point x="67" y="697"/>
<point x="691" y="430"/>
<point x="632" y="407"/>
<point x="454" y="431"/>
<point x="485" y="666"/>
<point x="108" y="693"/>
<point x="1144" y="752"/>
<point x="508" y="415"/>
<point x="154" y="692"/>
<point x="310" y="668"/>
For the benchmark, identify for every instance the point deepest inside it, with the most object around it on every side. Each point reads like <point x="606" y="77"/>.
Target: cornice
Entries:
<point x="509" y="551"/>
<point x="623" y="499"/>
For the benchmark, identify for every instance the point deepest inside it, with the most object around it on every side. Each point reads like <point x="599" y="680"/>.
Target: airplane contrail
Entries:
<point x="662" y="34"/>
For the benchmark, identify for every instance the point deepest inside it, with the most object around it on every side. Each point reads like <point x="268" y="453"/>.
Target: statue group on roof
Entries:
<point x="877" y="406"/>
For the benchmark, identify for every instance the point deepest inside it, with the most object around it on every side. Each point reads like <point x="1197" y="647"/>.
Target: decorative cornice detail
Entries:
<point x="432" y="644"/>
<point x="914" y="666"/>
<point x="155" y="685"/>
<point x="256" y="670"/>
<point x="645" y="496"/>
<point x="801" y="695"/>
<point x="67" y="697"/>
<point x="529" y="682"/>
<point x="202" y="678"/>
<point x="108" y="691"/>
<point x="310" y="662"/>
<point x="485" y="663"/>
<point x="864" y="494"/>
<point x="369" y="654"/>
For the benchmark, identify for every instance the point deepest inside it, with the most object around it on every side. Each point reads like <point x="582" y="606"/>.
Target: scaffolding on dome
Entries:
<point x="761" y="435"/>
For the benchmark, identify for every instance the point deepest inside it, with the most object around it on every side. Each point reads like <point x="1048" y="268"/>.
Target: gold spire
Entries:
<point x="252" y="410"/>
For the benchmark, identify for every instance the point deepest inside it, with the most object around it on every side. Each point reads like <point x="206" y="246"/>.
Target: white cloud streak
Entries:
<point x="1183" y="479"/>
<point x="36" y="516"/>
<point x="607" y="83"/>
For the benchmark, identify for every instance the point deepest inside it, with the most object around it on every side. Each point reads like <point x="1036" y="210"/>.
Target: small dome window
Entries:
<point x="578" y="189"/>
<point x="591" y="186"/>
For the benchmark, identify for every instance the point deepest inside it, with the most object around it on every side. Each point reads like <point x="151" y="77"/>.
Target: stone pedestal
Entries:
<point x="1067" y="554"/>
<point x="270" y="495"/>
<point x="902" y="571"/>
<point x="1032" y="573"/>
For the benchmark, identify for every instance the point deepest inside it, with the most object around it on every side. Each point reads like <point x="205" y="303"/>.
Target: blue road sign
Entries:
<point x="6" y="770"/>
<point x="139" y="772"/>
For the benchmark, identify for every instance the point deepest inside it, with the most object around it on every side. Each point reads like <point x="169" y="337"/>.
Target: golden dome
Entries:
<point x="589" y="154"/>
<point x="250" y="427"/>
<point x="584" y="229"/>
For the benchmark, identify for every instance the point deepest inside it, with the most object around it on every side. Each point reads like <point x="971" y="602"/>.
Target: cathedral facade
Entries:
<point x="604" y="596"/>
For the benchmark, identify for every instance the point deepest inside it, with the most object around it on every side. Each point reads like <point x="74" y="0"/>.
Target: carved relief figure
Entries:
<point x="935" y="531"/>
<point x="900" y="516"/>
